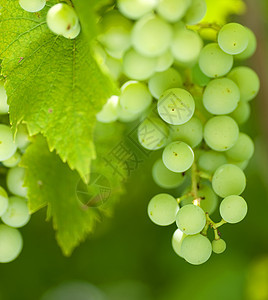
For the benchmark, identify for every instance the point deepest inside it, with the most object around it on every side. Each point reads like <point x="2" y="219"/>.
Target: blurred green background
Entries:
<point x="129" y="258"/>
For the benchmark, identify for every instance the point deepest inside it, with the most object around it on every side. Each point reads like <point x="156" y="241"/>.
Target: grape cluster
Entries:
<point x="61" y="17"/>
<point x="192" y="95"/>
<point x="14" y="211"/>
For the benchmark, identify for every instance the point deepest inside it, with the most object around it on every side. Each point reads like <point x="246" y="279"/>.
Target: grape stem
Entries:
<point x="201" y="26"/>
<point x="214" y="226"/>
<point x="183" y="197"/>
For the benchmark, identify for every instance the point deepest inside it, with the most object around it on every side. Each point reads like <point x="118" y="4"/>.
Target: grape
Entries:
<point x="233" y="209"/>
<point x="200" y="111"/>
<point x="115" y="32"/>
<point x="7" y="145"/>
<point x="213" y="62"/>
<point x="22" y="137"/>
<point x="15" y="181"/>
<point x="218" y="246"/>
<point x="164" y="61"/>
<point x="178" y="157"/>
<point x="242" y="150"/>
<point x="196" y="249"/>
<point x="221" y="133"/>
<point x="114" y="67"/>
<point x="73" y="33"/>
<point x="199" y="77"/>
<point x="209" y="161"/>
<point x="251" y="47"/>
<point x="241" y="164"/>
<point x="173" y="10"/>
<point x="135" y="97"/>
<point x="191" y="219"/>
<point x="4" y="107"/>
<point x="196" y="12"/>
<point x="176" y="106"/>
<point x="12" y="161"/>
<point x="17" y="214"/>
<point x="135" y="9"/>
<point x="209" y="200"/>
<point x="241" y="113"/>
<point x="228" y="180"/>
<point x="3" y="201"/>
<point x="160" y="82"/>
<point x="166" y="178"/>
<point x="137" y="66"/>
<point x="177" y="240"/>
<point x="10" y="243"/>
<point x="126" y="116"/>
<point x="61" y="18"/>
<point x="162" y="209"/>
<point x="153" y="133"/>
<point x="221" y="96"/>
<point x="109" y="111"/>
<point x="186" y="45"/>
<point x="233" y="38"/>
<point x="247" y="81"/>
<point x="32" y="5"/>
<point x="151" y="36"/>
<point x="190" y="132"/>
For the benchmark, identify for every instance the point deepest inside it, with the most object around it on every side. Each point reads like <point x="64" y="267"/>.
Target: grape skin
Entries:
<point x="218" y="246"/>
<point x="233" y="209"/>
<point x="32" y="5"/>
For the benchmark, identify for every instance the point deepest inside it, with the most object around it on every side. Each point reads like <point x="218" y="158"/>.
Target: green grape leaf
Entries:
<point x="52" y="183"/>
<point x="53" y="84"/>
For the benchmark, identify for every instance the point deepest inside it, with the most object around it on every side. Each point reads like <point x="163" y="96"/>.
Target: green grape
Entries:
<point x="191" y="219"/>
<point x="176" y="106"/>
<point x="233" y="209"/>
<point x="4" y="107"/>
<point x="61" y="18"/>
<point x="135" y="97"/>
<point x="32" y="5"/>
<point x="114" y="67"/>
<point x="251" y="47"/>
<point x="109" y="111"/>
<point x="247" y="81"/>
<point x="221" y="96"/>
<point x="228" y="180"/>
<point x="241" y="113"/>
<point x="10" y="243"/>
<point x="221" y="133"/>
<point x="177" y="240"/>
<point x="17" y="214"/>
<point x="173" y="10"/>
<point x="218" y="246"/>
<point x="115" y="32"/>
<point x="138" y="67"/>
<point x="209" y="161"/>
<point x="160" y="82"/>
<point x="22" y="137"/>
<point x="153" y="133"/>
<point x="242" y="150"/>
<point x="7" y="145"/>
<point x="233" y="38"/>
<point x="166" y="178"/>
<point x="190" y="132"/>
<point x="3" y="201"/>
<point x="15" y="181"/>
<point x="73" y="33"/>
<point x="126" y="116"/>
<point x="196" y="249"/>
<point x="196" y="12"/>
<point x="241" y="164"/>
<point x="200" y="112"/>
<point x="209" y="200"/>
<point x="12" y="161"/>
<point x="199" y="77"/>
<point x="213" y="62"/>
<point x="162" y="209"/>
<point x="186" y="45"/>
<point x="178" y="157"/>
<point x="164" y="61"/>
<point x="135" y="9"/>
<point x="151" y="36"/>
